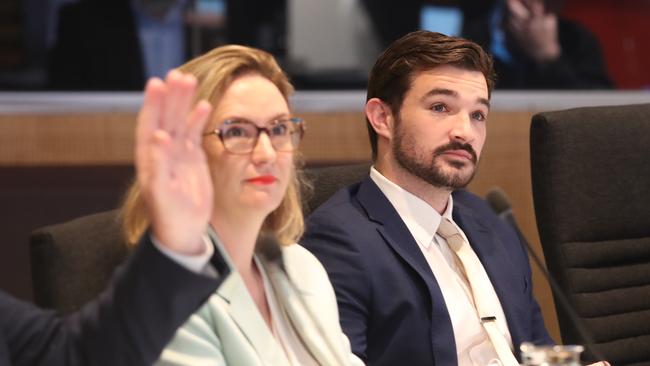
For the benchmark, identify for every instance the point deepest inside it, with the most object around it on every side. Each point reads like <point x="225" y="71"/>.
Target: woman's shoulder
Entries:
<point x="302" y="266"/>
<point x="296" y="251"/>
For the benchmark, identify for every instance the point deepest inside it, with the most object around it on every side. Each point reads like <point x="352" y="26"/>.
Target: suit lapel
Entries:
<point x="496" y="261"/>
<point x="243" y="311"/>
<point x="396" y="235"/>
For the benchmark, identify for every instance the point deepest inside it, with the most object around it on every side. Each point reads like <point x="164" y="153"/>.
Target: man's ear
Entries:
<point x="380" y="117"/>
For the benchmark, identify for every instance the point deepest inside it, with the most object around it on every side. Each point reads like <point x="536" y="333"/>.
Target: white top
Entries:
<point x="472" y="344"/>
<point x="282" y="329"/>
<point x="229" y="330"/>
<point x="199" y="263"/>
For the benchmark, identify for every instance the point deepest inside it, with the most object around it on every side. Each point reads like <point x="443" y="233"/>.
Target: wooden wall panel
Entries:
<point x="61" y="139"/>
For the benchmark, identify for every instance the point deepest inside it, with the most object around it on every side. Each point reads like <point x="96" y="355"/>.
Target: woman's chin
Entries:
<point x="263" y="201"/>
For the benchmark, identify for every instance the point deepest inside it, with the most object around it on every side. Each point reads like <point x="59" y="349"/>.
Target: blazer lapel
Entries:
<point x="496" y="261"/>
<point x="301" y="309"/>
<point x="396" y="234"/>
<point x="244" y="313"/>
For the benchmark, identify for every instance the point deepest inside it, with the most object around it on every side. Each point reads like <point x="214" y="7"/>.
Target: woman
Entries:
<point x="277" y="307"/>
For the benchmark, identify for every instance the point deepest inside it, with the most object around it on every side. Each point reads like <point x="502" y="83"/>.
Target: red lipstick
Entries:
<point x="262" y="179"/>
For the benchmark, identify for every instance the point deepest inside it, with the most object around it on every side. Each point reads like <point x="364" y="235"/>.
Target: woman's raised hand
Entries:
<point x="171" y="167"/>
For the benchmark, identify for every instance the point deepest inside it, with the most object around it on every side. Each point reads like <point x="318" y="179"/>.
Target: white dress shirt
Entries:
<point x="472" y="344"/>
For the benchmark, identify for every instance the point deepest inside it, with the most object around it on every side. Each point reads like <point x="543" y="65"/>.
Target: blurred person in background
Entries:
<point x="119" y="44"/>
<point x="534" y="47"/>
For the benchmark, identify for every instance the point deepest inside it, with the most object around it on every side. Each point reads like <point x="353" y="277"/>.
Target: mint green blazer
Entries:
<point x="229" y="330"/>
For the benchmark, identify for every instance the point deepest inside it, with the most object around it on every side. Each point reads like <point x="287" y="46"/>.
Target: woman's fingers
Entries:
<point x="172" y="113"/>
<point x="197" y="121"/>
<point x="166" y="119"/>
<point x="150" y="112"/>
<point x="181" y="89"/>
<point x="148" y="122"/>
<point x="186" y="91"/>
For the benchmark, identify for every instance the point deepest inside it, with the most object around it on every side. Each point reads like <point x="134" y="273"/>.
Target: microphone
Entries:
<point x="497" y="199"/>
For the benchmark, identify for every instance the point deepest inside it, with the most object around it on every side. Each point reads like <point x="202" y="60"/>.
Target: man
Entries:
<point x="165" y="280"/>
<point x="406" y="292"/>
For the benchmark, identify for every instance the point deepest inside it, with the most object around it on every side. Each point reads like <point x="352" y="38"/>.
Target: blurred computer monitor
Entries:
<point x="442" y="19"/>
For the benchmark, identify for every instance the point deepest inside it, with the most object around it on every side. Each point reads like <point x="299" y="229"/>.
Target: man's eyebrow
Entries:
<point x="484" y="101"/>
<point x="452" y="93"/>
<point x="440" y="91"/>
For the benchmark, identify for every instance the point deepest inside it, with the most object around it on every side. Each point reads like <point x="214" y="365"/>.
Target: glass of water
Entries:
<point x="532" y="355"/>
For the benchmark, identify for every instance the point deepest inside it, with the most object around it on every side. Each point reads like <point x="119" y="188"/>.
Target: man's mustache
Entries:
<point x="456" y="145"/>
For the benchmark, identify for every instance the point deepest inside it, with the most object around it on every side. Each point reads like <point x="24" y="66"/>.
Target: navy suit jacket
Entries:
<point x="129" y="323"/>
<point x="390" y="303"/>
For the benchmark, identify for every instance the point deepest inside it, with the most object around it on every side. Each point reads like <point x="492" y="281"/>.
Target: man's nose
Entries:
<point x="461" y="128"/>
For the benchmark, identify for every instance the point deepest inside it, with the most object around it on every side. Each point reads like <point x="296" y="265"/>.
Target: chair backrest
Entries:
<point x="325" y="181"/>
<point x="73" y="261"/>
<point x="591" y="189"/>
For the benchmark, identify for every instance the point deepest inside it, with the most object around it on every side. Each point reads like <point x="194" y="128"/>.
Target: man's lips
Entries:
<point x="459" y="153"/>
<point x="457" y="150"/>
<point x="263" y="179"/>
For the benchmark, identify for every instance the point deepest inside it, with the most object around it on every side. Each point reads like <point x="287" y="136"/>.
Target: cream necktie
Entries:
<point x="471" y="265"/>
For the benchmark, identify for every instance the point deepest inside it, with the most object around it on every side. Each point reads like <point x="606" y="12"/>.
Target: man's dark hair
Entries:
<point x="392" y="74"/>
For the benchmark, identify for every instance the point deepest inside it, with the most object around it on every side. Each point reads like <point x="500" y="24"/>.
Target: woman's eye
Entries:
<point x="279" y="130"/>
<point x="234" y="132"/>
<point x="479" y="116"/>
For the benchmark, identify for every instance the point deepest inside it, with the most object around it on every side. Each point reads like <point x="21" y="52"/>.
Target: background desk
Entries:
<point x="63" y="155"/>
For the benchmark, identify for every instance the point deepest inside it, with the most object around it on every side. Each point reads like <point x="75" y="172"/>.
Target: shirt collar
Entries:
<point x="420" y="218"/>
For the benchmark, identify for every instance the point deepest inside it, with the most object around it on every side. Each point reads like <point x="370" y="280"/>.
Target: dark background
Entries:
<point x="620" y="26"/>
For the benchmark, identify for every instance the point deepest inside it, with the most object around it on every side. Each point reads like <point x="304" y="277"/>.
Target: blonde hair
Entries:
<point x="215" y="71"/>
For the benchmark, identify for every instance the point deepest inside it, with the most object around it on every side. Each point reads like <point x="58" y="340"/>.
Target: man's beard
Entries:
<point x="432" y="172"/>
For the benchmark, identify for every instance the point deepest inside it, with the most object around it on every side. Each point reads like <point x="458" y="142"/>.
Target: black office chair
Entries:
<point x="325" y="181"/>
<point x="73" y="261"/>
<point x="591" y="189"/>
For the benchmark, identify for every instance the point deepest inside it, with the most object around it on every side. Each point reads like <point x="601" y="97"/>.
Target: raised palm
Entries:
<point x="171" y="166"/>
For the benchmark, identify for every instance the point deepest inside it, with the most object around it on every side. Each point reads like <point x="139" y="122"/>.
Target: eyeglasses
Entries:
<point x="240" y="136"/>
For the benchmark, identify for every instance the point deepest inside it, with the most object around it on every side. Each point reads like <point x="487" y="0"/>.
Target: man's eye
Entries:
<point x="478" y="116"/>
<point x="439" y="108"/>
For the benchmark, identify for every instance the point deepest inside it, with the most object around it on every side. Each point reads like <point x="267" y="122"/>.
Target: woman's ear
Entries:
<point x="380" y="117"/>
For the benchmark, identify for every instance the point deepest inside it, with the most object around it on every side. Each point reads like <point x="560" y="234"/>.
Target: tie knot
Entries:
<point x="448" y="231"/>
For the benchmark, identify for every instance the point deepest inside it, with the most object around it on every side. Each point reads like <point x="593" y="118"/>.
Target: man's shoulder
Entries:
<point x="467" y="203"/>
<point x="343" y="202"/>
<point x="342" y="218"/>
<point x="470" y="200"/>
